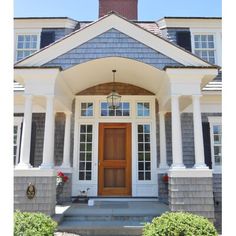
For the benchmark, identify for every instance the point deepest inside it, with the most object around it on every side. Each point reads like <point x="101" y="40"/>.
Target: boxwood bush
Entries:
<point x="179" y="224"/>
<point x="33" y="224"/>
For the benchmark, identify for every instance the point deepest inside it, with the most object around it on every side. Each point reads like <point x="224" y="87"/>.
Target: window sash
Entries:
<point x="26" y="45"/>
<point x="204" y="47"/>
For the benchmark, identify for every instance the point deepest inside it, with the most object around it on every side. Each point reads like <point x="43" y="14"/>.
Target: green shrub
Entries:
<point x="33" y="224"/>
<point x="179" y="224"/>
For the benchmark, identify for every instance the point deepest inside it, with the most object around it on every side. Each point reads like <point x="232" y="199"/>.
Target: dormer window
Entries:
<point x="204" y="47"/>
<point x="26" y="45"/>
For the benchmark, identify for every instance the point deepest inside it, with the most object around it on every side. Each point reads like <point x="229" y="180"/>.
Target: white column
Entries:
<point x="48" y="144"/>
<point x="177" y="153"/>
<point x="66" y="153"/>
<point x="198" y="137"/>
<point x="163" y="159"/>
<point x="26" y="135"/>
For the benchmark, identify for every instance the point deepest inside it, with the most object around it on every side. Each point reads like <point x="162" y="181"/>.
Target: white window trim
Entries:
<point x="26" y="32"/>
<point x="217" y="41"/>
<point x="17" y="122"/>
<point x="205" y="49"/>
<point x="214" y="121"/>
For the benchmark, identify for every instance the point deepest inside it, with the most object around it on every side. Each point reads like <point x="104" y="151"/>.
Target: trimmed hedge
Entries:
<point x="179" y="224"/>
<point x="33" y="224"/>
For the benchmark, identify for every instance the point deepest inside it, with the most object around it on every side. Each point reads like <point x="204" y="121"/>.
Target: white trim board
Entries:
<point x="104" y="24"/>
<point x="139" y="188"/>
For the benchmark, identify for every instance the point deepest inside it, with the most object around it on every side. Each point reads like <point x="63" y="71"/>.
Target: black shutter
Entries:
<point x="33" y="141"/>
<point x="207" y="143"/>
<point x="47" y="37"/>
<point x="183" y="39"/>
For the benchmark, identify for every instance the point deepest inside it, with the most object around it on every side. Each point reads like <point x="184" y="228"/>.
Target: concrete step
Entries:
<point x="102" y="228"/>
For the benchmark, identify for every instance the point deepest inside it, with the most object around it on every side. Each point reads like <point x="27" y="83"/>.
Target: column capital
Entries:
<point x="28" y="96"/>
<point x="195" y="96"/>
<point x="162" y="112"/>
<point x="175" y="95"/>
<point x="68" y="113"/>
<point x="49" y="97"/>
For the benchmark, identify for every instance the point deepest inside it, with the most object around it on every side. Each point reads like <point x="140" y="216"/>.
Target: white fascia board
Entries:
<point x="44" y="23"/>
<point x="112" y="21"/>
<point x="191" y="23"/>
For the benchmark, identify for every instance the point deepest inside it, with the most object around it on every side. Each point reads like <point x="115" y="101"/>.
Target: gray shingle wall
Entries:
<point x="192" y="195"/>
<point x="59" y="138"/>
<point x="217" y="189"/>
<point x="59" y="32"/>
<point x="39" y="119"/>
<point x="187" y="137"/>
<point x="112" y="43"/>
<point x="45" y="198"/>
<point x="162" y="189"/>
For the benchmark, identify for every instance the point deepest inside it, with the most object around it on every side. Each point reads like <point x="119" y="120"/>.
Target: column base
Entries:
<point x="177" y="166"/>
<point x="200" y="166"/>
<point x="22" y="166"/>
<point x="46" y="166"/>
<point x="65" y="166"/>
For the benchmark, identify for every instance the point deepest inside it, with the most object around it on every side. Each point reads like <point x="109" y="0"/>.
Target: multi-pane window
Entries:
<point x="85" y="158"/>
<point x="26" y="45"/>
<point x="143" y="108"/>
<point x="86" y="109"/>
<point x="204" y="47"/>
<point x="122" y="110"/>
<point x="216" y="135"/>
<point x="16" y="139"/>
<point x="144" y="152"/>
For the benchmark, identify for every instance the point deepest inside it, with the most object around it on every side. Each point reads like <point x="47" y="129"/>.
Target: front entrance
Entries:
<point x="114" y="159"/>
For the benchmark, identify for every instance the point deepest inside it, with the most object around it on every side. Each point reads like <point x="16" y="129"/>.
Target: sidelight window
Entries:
<point x="144" y="152"/>
<point x="85" y="153"/>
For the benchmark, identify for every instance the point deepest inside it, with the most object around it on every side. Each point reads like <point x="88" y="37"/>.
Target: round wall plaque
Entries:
<point x="31" y="191"/>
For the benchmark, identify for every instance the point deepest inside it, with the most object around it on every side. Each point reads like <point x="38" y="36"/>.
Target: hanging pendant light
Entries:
<point x="113" y="99"/>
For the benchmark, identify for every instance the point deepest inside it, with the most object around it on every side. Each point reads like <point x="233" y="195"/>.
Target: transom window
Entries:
<point x="85" y="158"/>
<point x="26" y="45"/>
<point x="144" y="152"/>
<point x="204" y="47"/>
<point x="143" y="109"/>
<point x="216" y="135"/>
<point x="86" y="109"/>
<point x="122" y="110"/>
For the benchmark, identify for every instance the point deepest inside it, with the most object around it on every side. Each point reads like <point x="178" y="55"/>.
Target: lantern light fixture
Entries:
<point x="113" y="99"/>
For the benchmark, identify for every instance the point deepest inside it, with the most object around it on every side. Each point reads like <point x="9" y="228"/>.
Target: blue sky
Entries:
<point x="88" y="9"/>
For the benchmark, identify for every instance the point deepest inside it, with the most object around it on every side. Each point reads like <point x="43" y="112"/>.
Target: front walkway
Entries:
<point x="108" y="217"/>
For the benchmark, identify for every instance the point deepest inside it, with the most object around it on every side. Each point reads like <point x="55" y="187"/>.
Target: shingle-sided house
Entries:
<point x="168" y="121"/>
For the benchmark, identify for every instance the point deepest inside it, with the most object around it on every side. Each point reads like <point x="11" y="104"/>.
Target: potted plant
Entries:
<point x="61" y="180"/>
<point x="165" y="178"/>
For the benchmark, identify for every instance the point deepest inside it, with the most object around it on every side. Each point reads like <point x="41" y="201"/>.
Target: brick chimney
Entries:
<point x="126" y="8"/>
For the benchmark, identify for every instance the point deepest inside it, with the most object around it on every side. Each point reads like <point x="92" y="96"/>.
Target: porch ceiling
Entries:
<point x="99" y="71"/>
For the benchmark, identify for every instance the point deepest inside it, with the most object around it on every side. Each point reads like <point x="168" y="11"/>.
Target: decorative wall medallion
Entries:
<point x="31" y="191"/>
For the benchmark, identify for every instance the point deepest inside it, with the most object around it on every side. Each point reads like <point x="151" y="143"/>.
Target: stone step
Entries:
<point x="108" y="218"/>
<point x="102" y="228"/>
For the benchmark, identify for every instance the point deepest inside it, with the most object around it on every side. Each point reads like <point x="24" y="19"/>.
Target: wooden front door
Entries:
<point x="114" y="173"/>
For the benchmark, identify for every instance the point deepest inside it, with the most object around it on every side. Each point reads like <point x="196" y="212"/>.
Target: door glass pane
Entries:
<point x="114" y="178"/>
